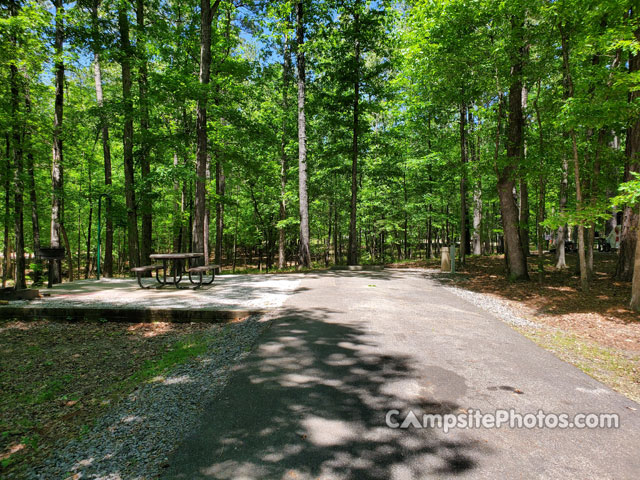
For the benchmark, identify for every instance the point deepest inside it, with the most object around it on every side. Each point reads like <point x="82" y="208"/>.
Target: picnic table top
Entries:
<point x="175" y="256"/>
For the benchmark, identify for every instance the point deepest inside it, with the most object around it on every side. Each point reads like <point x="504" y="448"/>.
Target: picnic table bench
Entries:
<point x="181" y="263"/>
<point x="139" y="271"/>
<point x="201" y="270"/>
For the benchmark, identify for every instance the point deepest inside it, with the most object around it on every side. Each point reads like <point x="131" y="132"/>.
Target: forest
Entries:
<point x="300" y="134"/>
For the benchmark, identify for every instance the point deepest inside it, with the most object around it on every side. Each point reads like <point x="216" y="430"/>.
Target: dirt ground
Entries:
<point x="601" y="315"/>
<point x="56" y="377"/>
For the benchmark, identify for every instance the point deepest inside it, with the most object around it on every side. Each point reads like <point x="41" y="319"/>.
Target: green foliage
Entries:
<point x="629" y="193"/>
<point x="420" y="60"/>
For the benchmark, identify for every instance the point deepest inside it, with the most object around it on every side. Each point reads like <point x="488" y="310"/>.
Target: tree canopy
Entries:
<point x="284" y="134"/>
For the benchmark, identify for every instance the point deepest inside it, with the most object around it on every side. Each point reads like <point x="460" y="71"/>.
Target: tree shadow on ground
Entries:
<point x="310" y="402"/>
<point x="558" y="294"/>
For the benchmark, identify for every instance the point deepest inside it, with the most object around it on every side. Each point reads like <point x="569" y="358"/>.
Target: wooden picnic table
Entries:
<point x="178" y="268"/>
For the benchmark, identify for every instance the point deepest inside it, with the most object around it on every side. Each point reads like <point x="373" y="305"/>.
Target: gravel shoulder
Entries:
<point x="133" y="439"/>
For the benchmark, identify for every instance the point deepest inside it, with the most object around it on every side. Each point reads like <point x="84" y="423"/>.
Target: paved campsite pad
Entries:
<point x="310" y="402"/>
<point x="229" y="297"/>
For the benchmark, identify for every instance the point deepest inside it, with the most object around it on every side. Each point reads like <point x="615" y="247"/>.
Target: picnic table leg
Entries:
<point x="178" y="268"/>
<point x="162" y="282"/>
<point x="158" y="273"/>
<point x="213" y="276"/>
<point x="139" y="275"/>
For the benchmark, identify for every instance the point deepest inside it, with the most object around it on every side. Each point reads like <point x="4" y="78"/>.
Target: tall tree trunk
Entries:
<point x="336" y="232"/>
<point x="107" y="268"/>
<point x="540" y="215"/>
<point x="207" y="12"/>
<point x="286" y="80"/>
<point x="635" y="285"/>
<point x="67" y="246"/>
<point x="17" y="151"/>
<point x="178" y="211"/>
<point x="584" y="276"/>
<point x="207" y="213"/>
<point x="220" y="189"/>
<point x="523" y="189"/>
<point x="305" y="253"/>
<point x="127" y="139"/>
<point x="463" y="181"/>
<point x="630" y="219"/>
<point x="515" y="257"/>
<point x="477" y="219"/>
<point x="87" y="267"/>
<point x="145" y="168"/>
<point x="35" y="217"/>
<point x="523" y="217"/>
<point x="473" y="154"/>
<point x="327" y="254"/>
<point x="7" y="212"/>
<point x="57" y="174"/>
<point x="352" y="254"/>
<point x="561" y="234"/>
<point x="594" y="190"/>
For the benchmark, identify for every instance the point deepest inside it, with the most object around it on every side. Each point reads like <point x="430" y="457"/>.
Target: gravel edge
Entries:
<point x="497" y="307"/>
<point x="134" y="439"/>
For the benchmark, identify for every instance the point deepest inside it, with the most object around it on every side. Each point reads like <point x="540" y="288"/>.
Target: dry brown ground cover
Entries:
<point x="57" y="377"/>
<point x="595" y="331"/>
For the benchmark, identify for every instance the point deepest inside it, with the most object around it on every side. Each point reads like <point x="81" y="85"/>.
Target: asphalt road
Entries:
<point x="311" y="401"/>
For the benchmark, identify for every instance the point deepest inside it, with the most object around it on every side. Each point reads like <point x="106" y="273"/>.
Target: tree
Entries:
<point x="143" y="154"/>
<point x="352" y="256"/>
<point x="516" y="259"/>
<point x="207" y="12"/>
<point x="126" y="53"/>
<point x="304" y="251"/>
<point x="57" y="173"/>
<point x="628" y="250"/>
<point x="106" y="145"/>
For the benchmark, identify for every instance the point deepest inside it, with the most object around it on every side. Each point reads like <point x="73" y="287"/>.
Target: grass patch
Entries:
<point x="56" y="378"/>
<point x="615" y="368"/>
<point x="180" y="352"/>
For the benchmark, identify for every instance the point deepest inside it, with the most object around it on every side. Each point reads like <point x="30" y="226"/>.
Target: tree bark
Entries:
<point x="35" y="217"/>
<point x="87" y="267"/>
<point x="57" y="173"/>
<point x="207" y="12"/>
<point x="630" y="223"/>
<point x="463" y="182"/>
<point x="584" y="276"/>
<point x="207" y="213"/>
<point x="635" y="285"/>
<point x="143" y="154"/>
<point x="305" y="253"/>
<point x="7" y="212"/>
<point x="178" y="211"/>
<point x="523" y="190"/>
<point x="473" y="154"/>
<point x="286" y="80"/>
<point x="516" y="260"/>
<point x="540" y="214"/>
<point x="352" y="254"/>
<point x="127" y="139"/>
<point x="107" y="268"/>
<point x="18" y="166"/>
<point x="561" y="234"/>
<point x="220" y="190"/>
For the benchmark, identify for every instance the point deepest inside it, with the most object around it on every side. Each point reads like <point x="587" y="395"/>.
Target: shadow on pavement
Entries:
<point x="310" y="402"/>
